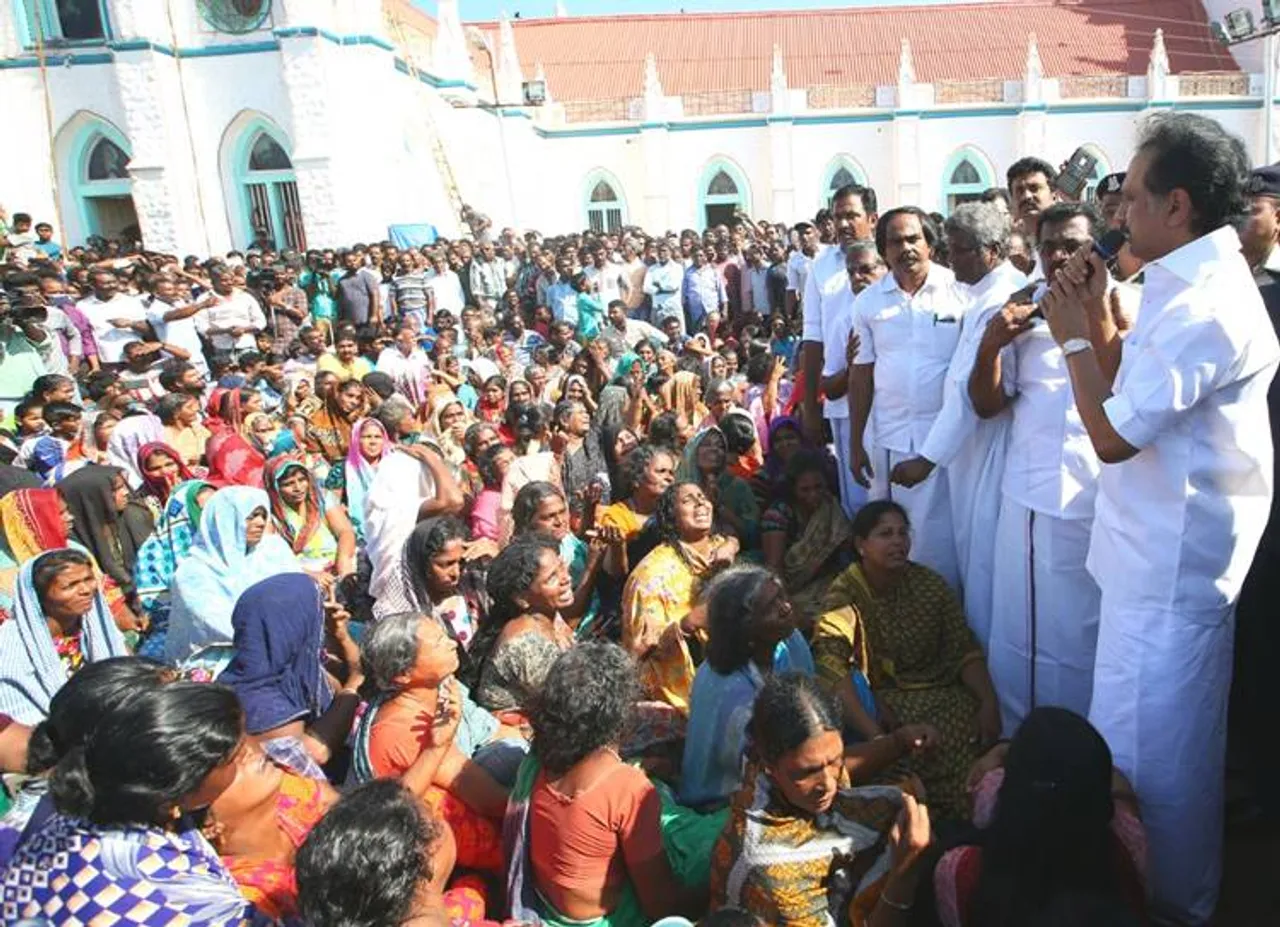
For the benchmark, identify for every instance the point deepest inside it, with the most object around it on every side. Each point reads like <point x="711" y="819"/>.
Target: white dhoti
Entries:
<point x="852" y="495"/>
<point x="928" y="506"/>
<point x="1160" y="699"/>
<point x="974" y="478"/>
<point x="1044" y="614"/>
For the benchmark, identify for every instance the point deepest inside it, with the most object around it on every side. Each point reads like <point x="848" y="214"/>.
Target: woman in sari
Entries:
<point x="480" y="436"/>
<point x="795" y="824"/>
<point x="31" y="521"/>
<point x="736" y="510"/>
<point x="158" y="560"/>
<point x="523" y="633"/>
<point x="659" y="626"/>
<point x="329" y="428"/>
<point x="60" y="622"/>
<point x="162" y="469"/>
<point x="183" y="431"/>
<point x="98" y="427"/>
<point x="261" y="430"/>
<point x="447" y="427"/>
<point x="456" y="765"/>
<point x="110" y="526"/>
<point x="279" y="626"/>
<point x="590" y="839"/>
<point x="683" y="394"/>
<point x="321" y="537"/>
<point x="492" y="407"/>
<point x="651" y="471"/>
<point x="805" y="536"/>
<point x="127" y="439"/>
<point x="232" y="551"/>
<point x="233" y="459"/>
<point x="300" y="396"/>
<point x="369" y="445"/>
<point x="576" y="390"/>
<point x="115" y="852"/>
<point x="900" y="626"/>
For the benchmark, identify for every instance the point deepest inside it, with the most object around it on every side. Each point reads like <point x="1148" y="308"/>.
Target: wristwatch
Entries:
<point x="1075" y="346"/>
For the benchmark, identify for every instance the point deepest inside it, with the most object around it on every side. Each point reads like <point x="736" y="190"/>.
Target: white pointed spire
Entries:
<point x="1035" y="67"/>
<point x="449" y="57"/>
<point x="540" y="74"/>
<point x="1158" y="82"/>
<point x="906" y="67"/>
<point x="778" y="76"/>
<point x="510" y="77"/>
<point x="652" y="86"/>
<point x="561" y="12"/>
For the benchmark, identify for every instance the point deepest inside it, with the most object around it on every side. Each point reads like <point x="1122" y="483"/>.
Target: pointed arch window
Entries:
<point x="604" y="207"/>
<point x="964" y="178"/>
<point x="270" y="188"/>
<point x="722" y="193"/>
<point x="107" y="161"/>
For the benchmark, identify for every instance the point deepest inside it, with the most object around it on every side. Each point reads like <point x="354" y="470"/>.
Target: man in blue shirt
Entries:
<point x="704" y="291"/>
<point x="44" y="242"/>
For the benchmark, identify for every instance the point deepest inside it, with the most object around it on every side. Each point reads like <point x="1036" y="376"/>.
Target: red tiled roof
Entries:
<point x="602" y="57"/>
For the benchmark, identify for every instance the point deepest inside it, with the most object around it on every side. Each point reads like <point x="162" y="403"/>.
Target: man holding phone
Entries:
<point x="1031" y="187"/>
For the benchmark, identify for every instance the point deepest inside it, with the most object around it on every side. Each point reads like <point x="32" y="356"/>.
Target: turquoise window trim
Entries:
<point x="242" y="177"/>
<point x="849" y="163"/>
<point x="76" y="170"/>
<point x="980" y="162"/>
<point x="1100" y="170"/>
<point x="741" y="199"/>
<point x="588" y="184"/>
<point x="25" y="21"/>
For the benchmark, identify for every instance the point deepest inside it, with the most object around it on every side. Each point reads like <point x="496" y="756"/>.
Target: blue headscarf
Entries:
<point x="30" y="669"/>
<point x="218" y="568"/>
<point x="279" y="626"/>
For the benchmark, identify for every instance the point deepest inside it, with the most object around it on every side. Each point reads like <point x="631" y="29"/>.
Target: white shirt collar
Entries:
<point x="890" y="282"/>
<point x="1002" y="274"/>
<point x="1194" y="259"/>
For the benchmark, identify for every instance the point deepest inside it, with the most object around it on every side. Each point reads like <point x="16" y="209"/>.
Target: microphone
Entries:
<point x="1106" y="247"/>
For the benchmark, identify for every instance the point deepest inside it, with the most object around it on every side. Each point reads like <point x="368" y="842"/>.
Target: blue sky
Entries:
<point x="489" y="9"/>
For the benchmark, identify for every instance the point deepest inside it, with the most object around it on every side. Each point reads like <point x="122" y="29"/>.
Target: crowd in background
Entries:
<point x="732" y="577"/>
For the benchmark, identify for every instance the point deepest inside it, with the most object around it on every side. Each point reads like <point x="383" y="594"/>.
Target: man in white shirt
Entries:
<point x="611" y="281"/>
<point x="799" y="264"/>
<point x="971" y="449"/>
<point x="562" y="298"/>
<point x="1184" y="435"/>
<point x="178" y="321"/>
<point x="623" y="334"/>
<point x="116" y="317"/>
<point x="1044" y="612"/>
<point x="908" y="326"/>
<point x="664" y="282"/>
<point x="233" y="317"/>
<point x="827" y="298"/>
<point x="444" y="289"/>
<point x="634" y="271"/>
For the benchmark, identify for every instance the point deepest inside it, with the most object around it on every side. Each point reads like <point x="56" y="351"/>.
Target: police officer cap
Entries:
<point x="1111" y="184"/>
<point x="1265" y="181"/>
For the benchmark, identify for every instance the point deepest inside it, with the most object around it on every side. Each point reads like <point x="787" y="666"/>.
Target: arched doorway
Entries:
<point x="966" y="176"/>
<point x="605" y="208"/>
<point x="722" y="193"/>
<point x="841" y="172"/>
<point x="262" y="188"/>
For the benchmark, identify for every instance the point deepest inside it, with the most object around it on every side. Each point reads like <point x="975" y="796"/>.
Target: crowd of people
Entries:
<point x="875" y="570"/>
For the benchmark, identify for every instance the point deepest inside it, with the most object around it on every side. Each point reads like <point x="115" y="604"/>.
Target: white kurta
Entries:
<point x="972" y="449"/>
<point x="911" y="340"/>
<point x="1175" y="530"/>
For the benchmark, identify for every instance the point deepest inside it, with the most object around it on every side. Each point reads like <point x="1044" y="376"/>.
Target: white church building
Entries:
<point x="322" y="122"/>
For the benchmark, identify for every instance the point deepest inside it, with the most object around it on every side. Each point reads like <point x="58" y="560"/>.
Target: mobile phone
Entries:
<point x="1106" y="247"/>
<point x="1073" y="178"/>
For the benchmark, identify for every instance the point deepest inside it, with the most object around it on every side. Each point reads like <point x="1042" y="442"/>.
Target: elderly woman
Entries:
<point x="60" y="622"/>
<point x="321" y="536"/>
<point x="180" y="414"/>
<point x="590" y="839"/>
<point x="447" y="427"/>
<point x="174" y="748"/>
<point x="370" y="444"/>
<point x="899" y="626"/>
<point x="795" y="824"/>
<point x="650" y="472"/>
<point x="807" y="539"/>
<point x="423" y="728"/>
<point x="523" y="633"/>
<point x="659" y="627"/>
<point x="736" y="510"/>
<point x="233" y="457"/>
<point x="232" y="551"/>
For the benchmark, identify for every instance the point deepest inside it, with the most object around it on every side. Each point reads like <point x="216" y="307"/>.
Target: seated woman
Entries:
<point x="736" y="511"/>
<point x="74" y="711"/>
<point x="60" y="622"/>
<point x="1058" y="820"/>
<point x="541" y="507"/>
<point x="658" y="627"/>
<point x="423" y="727"/>
<point x="321" y="537"/>
<point x="523" y="633"/>
<point x="110" y="526"/>
<point x="158" y="560"/>
<point x="796" y="822"/>
<point x="403" y="883"/>
<point x="807" y="539"/>
<point x="329" y="428"/>
<point x="534" y="462"/>
<point x="447" y="427"/>
<point x="183" y="431"/>
<point x="479" y="437"/>
<point x="279" y="626"/>
<point x="900" y="626"/>
<point x="162" y="469"/>
<point x="492" y="464"/>
<point x="590" y="840"/>
<point x="232" y="551"/>
<point x="32" y="520"/>
<point x="492" y="407"/>
<point x="369" y="445"/>
<point x="122" y="822"/>
<point x="650" y="472"/>
<point x="233" y="458"/>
